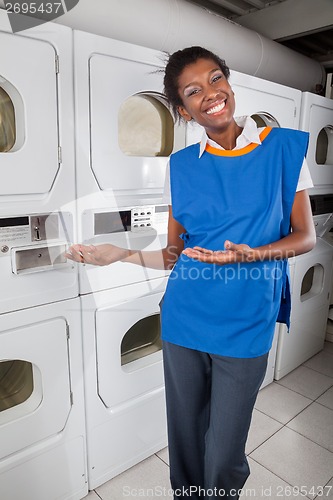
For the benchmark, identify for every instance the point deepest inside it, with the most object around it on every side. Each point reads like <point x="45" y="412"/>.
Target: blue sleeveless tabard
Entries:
<point x="245" y="196"/>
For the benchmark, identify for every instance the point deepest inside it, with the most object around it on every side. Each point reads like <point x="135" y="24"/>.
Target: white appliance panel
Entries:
<point x="112" y="81"/>
<point x="316" y="115"/>
<point x="28" y="75"/>
<point x="33" y="267"/>
<point x="43" y="451"/>
<point x="53" y="400"/>
<point x="107" y="73"/>
<point x="138" y="377"/>
<point x="38" y="184"/>
<point x="309" y="310"/>
<point x="37" y="74"/>
<point x="125" y="402"/>
<point x="139" y="228"/>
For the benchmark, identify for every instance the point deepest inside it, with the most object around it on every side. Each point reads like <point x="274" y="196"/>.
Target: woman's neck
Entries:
<point x="226" y="138"/>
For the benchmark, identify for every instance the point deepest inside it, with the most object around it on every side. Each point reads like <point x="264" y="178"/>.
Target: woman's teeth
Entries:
<point x="216" y="109"/>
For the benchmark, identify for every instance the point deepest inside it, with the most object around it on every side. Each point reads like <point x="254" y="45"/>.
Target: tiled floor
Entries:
<point x="290" y="446"/>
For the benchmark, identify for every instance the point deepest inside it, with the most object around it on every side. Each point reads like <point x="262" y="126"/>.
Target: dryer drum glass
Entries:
<point x="16" y="383"/>
<point x="313" y="282"/>
<point x="324" y="146"/>
<point x="263" y="119"/>
<point x="7" y="122"/>
<point x="142" y="339"/>
<point x="145" y="126"/>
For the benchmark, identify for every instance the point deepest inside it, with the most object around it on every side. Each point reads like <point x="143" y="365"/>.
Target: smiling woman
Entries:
<point x="209" y="100"/>
<point x="233" y="203"/>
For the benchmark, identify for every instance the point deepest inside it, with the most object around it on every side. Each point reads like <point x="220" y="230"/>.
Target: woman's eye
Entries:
<point x="216" y="78"/>
<point x="191" y="92"/>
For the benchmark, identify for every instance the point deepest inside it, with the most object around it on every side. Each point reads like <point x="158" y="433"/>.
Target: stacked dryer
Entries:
<point x="125" y="134"/>
<point x="42" y="427"/>
<point x="312" y="272"/>
<point x="272" y="105"/>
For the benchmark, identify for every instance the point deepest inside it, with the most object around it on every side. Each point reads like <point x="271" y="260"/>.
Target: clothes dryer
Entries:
<point x="269" y="104"/>
<point x="125" y="132"/>
<point x="124" y="385"/>
<point x="42" y="422"/>
<point x="317" y="118"/>
<point x="37" y="191"/>
<point x="311" y="286"/>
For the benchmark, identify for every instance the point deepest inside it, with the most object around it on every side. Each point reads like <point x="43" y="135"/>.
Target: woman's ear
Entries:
<point x="184" y="114"/>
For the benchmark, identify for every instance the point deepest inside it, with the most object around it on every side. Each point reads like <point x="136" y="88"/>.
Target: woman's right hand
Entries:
<point x="99" y="255"/>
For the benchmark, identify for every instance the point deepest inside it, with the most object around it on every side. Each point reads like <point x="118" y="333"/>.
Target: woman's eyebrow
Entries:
<point x="197" y="83"/>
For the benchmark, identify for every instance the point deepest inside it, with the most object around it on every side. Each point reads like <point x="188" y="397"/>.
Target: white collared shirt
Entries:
<point x="250" y="134"/>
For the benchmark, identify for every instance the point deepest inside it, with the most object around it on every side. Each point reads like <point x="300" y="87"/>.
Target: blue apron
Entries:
<point x="245" y="196"/>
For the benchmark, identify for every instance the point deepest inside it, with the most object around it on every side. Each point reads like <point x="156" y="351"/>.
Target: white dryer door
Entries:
<point x="112" y="81"/>
<point x="45" y="408"/>
<point x="317" y="118"/>
<point x="129" y="356"/>
<point x="28" y="77"/>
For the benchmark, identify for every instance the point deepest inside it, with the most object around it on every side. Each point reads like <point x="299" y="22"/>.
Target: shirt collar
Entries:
<point x="250" y="134"/>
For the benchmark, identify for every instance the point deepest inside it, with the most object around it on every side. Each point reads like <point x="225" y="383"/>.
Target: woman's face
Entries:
<point x="206" y="95"/>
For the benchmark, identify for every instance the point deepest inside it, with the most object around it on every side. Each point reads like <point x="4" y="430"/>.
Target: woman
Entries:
<point x="239" y="217"/>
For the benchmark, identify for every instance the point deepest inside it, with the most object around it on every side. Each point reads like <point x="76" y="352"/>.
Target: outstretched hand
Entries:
<point x="231" y="254"/>
<point x="100" y="255"/>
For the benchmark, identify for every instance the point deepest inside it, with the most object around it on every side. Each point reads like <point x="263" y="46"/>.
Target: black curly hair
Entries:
<point x="176" y="64"/>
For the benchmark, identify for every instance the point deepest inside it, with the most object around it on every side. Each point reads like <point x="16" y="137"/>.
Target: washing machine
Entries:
<point x="42" y="422"/>
<point x="123" y="373"/>
<point x="311" y="286"/>
<point x="317" y="118"/>
<point x="37" y="191"/>
<point x="125" y="134"/>
<point x="268" y="103"/>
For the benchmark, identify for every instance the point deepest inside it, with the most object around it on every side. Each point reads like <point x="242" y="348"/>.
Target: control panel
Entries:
<point x="136" y="220"/>
<point x="35" y="242"/>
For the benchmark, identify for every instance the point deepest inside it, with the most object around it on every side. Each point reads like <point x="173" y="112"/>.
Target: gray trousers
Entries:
<point x="210" y="400"/>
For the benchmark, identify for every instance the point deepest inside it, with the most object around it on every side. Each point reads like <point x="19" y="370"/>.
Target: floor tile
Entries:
<point x="262" y="427"/>
<point x="281" y="403"/>
<point x="327" y="399"/>
<point x="307" y="382"/>
<point x="148" y="479"/>
<point x="328" y="347"/>
<point x="164" y="455"/>
<point x="295" y="459"/>
<point x="322" y="363"/>
<point x="92" y="496"/>
<point x="264" y="484"/>
<point x="328" y="491"/>
<point x="315" y="423"/>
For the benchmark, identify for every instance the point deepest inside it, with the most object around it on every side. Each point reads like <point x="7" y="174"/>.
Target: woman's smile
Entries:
<point x="216" y="107"/>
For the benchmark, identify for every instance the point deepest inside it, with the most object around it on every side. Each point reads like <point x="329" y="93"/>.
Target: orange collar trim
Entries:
<point x="238" y="152"/>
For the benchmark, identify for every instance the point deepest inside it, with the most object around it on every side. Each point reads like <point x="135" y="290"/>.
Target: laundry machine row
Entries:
<point x="124" y="135"/>
<point x="42" y="413"/>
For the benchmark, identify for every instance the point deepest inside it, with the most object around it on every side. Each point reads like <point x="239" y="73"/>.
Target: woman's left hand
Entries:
<point x="232" y="253"/>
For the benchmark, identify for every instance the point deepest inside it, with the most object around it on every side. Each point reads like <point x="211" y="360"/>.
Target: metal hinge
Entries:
<point x="59" y="154"/>
<point x="67" y="331"/>
<point x="57" y="66"/>
<point x="295" y="112"/>
<point x="71" y="398"/>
